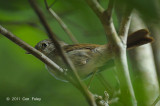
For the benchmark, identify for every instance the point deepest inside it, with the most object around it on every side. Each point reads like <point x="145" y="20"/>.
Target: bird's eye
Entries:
<point x="44" y="45"/>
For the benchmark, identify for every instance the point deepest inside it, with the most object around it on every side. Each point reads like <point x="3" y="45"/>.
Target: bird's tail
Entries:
<point x="138" y="38"/>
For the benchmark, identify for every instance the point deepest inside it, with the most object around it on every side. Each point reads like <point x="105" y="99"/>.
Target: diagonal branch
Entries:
<point x="67" y="61"/>
<point x="51" y="35"/>
<point x="60" y="21"/>
<point x="35" y="53"/>
<point x="124" y="26"/>
<point x="96" y="7"/>
<point x="108" y="23"/>
<point x="156" y="101"/>
<point x="105" y="18"/>
<point x="30" y="49"/>
<point x="109" y="10"/>
<point x="52" y="3"/>
<point x="67" y="30"/>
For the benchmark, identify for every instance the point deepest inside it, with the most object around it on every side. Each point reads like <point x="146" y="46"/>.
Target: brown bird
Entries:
<point x="87" y="58"/>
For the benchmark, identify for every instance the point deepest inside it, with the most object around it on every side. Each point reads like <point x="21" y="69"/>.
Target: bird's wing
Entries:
<point x="69" y="48"/>
<point x="80" y="54"/>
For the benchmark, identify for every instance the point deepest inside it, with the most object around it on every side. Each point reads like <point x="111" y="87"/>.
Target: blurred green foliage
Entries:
<point x="147" y="8"/>
<point x="23" y="75"/>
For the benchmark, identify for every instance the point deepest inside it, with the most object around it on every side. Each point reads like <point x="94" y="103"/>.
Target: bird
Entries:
<point x="87" y="58"/>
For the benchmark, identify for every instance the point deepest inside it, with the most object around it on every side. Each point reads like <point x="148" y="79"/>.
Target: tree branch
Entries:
<point x="67" y="61"/>
<point x="96" y="7"/>
<point x="156" y="101"/>
<point x="62" y="24"/>
<point x="30" y="49"/>
<point x="51" y="35"/>
<point x="73" y="39"/>
<point x="119" y="49"/>
<point x="109" y="10"/>
<point x="105" y="18"/>
<point x="121" y="62"/>
<point x="35" y="53"/>
<point x="109" y="25"/>
<point x="125" y="23"/>
<point x="52" y="3"/>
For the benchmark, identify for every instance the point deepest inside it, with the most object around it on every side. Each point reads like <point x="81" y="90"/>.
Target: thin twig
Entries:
<point x="156" y="101"/>
<point x="109" y="10"/>
<point x="105" y="83"/>
<point x="60" y="21"/>
<point x="98" y="9"/>
<point x="124" y="26"/>
<point x="67" y="61"/>
<point x="108" y="24"/>
<point x="79" y="27"/>
<point x="91" y="79"/>
<point x="52" y="3"/>
<point x="105" y="18"/>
